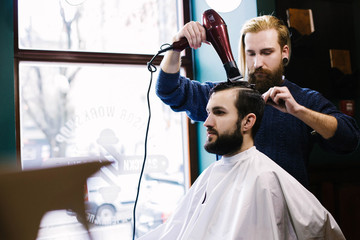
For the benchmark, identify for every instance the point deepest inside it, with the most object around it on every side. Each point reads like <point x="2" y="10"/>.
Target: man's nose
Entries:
<point x="258" y="61"/>
<point x="208" y="122"/>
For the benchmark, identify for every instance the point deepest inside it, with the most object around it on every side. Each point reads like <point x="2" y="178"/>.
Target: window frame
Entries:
<point x="101" y="58"/>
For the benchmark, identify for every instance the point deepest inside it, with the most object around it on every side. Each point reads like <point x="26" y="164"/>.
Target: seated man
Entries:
<point x="244" y="195"/>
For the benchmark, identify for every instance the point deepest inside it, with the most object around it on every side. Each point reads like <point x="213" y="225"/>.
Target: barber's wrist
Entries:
<point x="298" y="110"/>
<point x="171" y="62"/>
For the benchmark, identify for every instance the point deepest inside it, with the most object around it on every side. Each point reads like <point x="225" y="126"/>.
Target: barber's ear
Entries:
<point x="285" y="52"/>
<point x="248" y="122"/>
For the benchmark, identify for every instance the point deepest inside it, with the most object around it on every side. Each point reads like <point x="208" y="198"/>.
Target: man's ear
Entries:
<point x="248" y="122"/>
<point x="285" y="52"/>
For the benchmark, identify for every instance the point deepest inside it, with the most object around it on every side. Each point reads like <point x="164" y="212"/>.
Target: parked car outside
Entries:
<point x="107" y="205"/>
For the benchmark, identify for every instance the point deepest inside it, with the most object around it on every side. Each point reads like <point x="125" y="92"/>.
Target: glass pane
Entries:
<point x="72" y="112"/>
<point x="120" y="26"/>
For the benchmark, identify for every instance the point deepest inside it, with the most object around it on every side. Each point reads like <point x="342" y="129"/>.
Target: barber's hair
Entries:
<point x="248" y="100"/>
<point x="258" y="24"/>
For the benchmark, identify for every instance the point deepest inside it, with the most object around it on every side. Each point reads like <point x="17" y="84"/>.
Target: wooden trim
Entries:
<point x="16" y="86"/>
<point x="85" y="57"/>
<point x="91" y="57"/>
<point x="187" y="63"/>
<point x="17" y="114"/>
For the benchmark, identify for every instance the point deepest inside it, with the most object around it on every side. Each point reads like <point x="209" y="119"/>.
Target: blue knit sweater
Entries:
<point x="284" y="138"/>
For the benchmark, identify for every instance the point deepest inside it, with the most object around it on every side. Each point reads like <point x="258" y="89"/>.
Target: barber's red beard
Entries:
<point x="271" y="79"/>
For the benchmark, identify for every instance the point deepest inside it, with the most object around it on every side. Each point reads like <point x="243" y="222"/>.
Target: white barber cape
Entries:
<point x="250" y="197"/>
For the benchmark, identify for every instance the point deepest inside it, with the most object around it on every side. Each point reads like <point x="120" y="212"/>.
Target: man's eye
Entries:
<point x="267" y="52"/>
<point x="219" y="112"/>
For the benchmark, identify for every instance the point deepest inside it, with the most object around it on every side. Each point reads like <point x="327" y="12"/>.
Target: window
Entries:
<point x="98" y="26"/>
<point x="82" y="82"/>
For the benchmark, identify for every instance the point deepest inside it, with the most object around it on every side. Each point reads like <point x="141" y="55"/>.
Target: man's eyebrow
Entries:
<point x="263" y="49"/>
<point x="217" y="108"/>
<point x="268" y="49"/>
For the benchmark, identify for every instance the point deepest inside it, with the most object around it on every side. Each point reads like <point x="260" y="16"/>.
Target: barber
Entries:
<point x="295" y="118"/>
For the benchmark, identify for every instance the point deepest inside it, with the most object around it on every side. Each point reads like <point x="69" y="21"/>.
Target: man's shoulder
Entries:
<point x="302" y="92"/>
<point x="267" y="166"/>
<point x="294" y="86"/>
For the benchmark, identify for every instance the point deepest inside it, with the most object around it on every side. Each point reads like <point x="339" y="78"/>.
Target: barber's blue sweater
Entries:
<point x="284" y="138"/>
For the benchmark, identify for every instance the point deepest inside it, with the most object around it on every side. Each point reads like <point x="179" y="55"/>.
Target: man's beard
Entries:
<point x="270" y="79"/>
<point x="225" y="144"/>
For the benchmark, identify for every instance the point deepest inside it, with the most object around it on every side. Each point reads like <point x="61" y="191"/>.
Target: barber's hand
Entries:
<point x="281" y="99"/>
<point x="194" y="32"/>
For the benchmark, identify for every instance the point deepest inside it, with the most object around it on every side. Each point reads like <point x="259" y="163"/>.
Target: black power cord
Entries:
<point x="151" y="67"/>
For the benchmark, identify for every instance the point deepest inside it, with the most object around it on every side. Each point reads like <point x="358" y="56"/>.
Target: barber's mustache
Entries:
<point x="261" y="70"/>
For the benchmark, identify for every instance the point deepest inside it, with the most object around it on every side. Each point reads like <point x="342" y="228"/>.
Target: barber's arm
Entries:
<point x="195" y="35"/>
<point x="281" y="99"/>
<point x="323" y="124"/>
<point x="179" y="92"/>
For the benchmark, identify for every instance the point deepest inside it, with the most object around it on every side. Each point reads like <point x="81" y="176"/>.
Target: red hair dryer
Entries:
<point x="217" y="35"/>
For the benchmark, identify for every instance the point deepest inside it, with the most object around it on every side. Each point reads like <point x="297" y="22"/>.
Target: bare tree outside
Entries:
<point x="75" y="110"/>
<point x="50" y="116"/>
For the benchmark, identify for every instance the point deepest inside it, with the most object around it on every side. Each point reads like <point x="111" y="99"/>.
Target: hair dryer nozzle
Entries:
<point x="217" y="35"/>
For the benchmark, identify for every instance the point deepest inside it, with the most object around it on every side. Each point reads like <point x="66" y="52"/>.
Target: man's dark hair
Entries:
<point x="247" y="101"/>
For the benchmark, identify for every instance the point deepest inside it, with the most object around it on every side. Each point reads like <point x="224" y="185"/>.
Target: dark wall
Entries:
<point x="7" y="86"/>
<point x="265" y="7"/>
<point x="336" y="27"/>
<point x="310" y="63"/>
<point x="334" y="179"/>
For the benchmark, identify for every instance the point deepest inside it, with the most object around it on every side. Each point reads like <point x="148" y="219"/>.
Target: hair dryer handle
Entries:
<point x="180" y="45"/>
